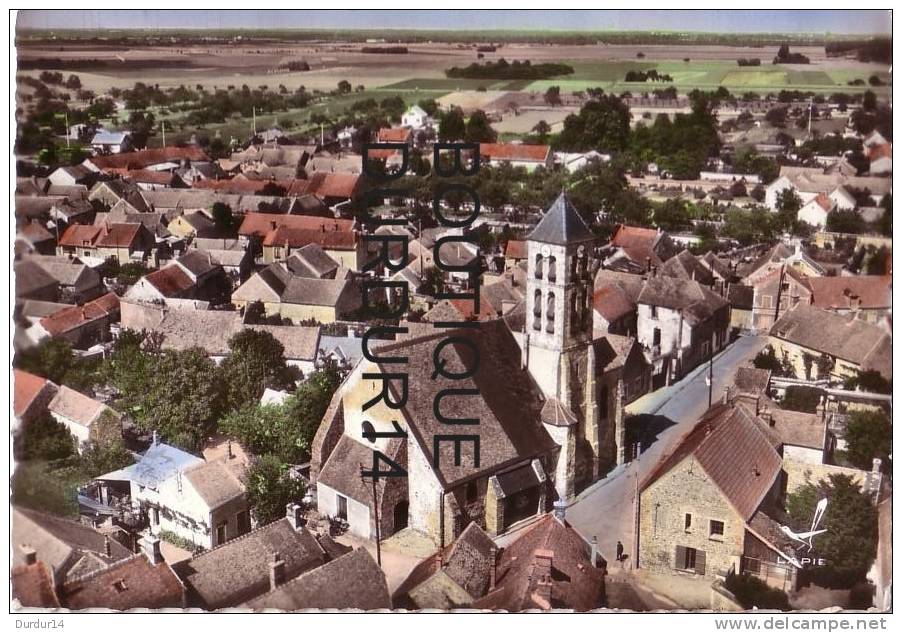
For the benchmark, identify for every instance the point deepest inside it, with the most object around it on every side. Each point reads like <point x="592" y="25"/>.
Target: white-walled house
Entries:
<point x="86" y="419"/>
<point x="416" y="118"/>
<point x="815" y="212"/>
<point x="203" y="502"/>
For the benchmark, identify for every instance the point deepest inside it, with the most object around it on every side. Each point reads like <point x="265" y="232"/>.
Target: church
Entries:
<point x="549" y="408"/>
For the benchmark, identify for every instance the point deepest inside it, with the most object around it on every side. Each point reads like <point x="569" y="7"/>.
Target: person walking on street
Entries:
<point x="619" y="551"/>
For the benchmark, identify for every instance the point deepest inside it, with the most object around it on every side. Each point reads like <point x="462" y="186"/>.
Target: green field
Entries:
<point x="704" y="75"/>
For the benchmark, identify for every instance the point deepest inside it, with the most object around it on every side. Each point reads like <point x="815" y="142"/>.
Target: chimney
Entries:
<point x="439" y="562"/>
<point x="229" y="449"/>
<point x="854" y="302"/>
<point x="29" y="554"/>
<point x="154" y="439"/>
<point x="767" y="416"/>
<point x="542" y="575"/>
<point x="276" y="571"/>
<point x="593" y="552"/>
<point x="107" y="546"/>
<point x="151" y="546"/>
<point x="295" y="515"/>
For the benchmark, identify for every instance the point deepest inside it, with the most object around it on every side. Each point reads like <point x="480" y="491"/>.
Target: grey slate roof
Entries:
<point x="352" y="581"/>
<point x="312" y="261"/>
<point x="697" y="302"/>
<point x="561" y="224"/>
<point x="238" y="570"/>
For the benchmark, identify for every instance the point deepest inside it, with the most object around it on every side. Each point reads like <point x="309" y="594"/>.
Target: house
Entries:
<point x="77" y="282"/>
<point x="823" y="344"/>
<point x="150" y="180"/>
<point x="808" y="182"/>
<point x="685" y="265"/>
<point x="394" y="135"/>
<point x="231" y="254"/>
<point x="33" y="238"/>
<point x="126" y="243"/>
<point x="67" y="548"/>
<point x="816" y="210"/>
<point x="614" y="302"/>
<point x="681" y="323"/>
<point x="313" y="262"/>
<point x="344" y="351"/>
<point x="247" y="568"/>
<point x="742" y="306"/>
<point x="203" y="502"/>
<point x="868" y="297"/>
<point x="158" y="158"/>
<point x="781" y="255"/>
<point x="635" y="249"/>
<point x="144" y="581"/>
<point x="514" y="254"/>
<point x="416" y="118"/>
<point x="33" y="282"/>
<point x="191" y="224"/>
<point x="106" y="142"/>
<point x="31" y="395"/>
<point x="881" y="159"/>
<point x="547" y="566"/>
<point x="298" y="298"/>
<point x="346" y="137"/>
<point x="517" y="155"/>
<point x="83" y="326"/>
<point x="88" y="420"/>
<point x="281" y="235"/>
<point x="191" y="276"/>
<point x="351" y="581"/>
<point x="71" y="175"/>
<point x="574" y="161"/>
<point x="777" y="291"/>
<point x="703" y="509"/>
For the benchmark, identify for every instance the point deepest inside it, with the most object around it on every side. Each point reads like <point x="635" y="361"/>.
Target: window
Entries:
<point x="766" y="301"/>
<point x="654" y="312"/>
<point x="656" y="337"/>
<point x="342" y="507"/>
<point x="155" y="515"/>
<point x="689" y="559"/>
<point x="687" y="522"/>
<point x="538" y="266"/>
<point x="221" y="533"/>
<point x="243" y="519"/>
<point x="472" y="492"/>
<point x="537" y="310"/>
<point x="716" y="530"/>
<point x="549" y="314"/>
<point x="552" y="272"/>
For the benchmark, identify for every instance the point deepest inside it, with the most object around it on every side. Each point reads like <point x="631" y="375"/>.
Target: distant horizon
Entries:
<point x="872" y="23"/>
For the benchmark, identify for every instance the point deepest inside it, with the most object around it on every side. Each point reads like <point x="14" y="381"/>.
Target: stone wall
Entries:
<point x="686" y="489"/>
<point x="799" y="473"/>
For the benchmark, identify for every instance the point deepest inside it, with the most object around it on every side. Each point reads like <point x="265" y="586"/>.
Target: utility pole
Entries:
<point x="254" y="119"/>
<point x="711" y="369"/>
<point x="163" y="127"/>
<point x="322" y="135"/>
<point x="66" y="114"/>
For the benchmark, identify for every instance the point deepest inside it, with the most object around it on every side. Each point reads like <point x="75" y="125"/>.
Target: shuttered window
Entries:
<point x="690" y="559"/>
<point x="700" y="562"/>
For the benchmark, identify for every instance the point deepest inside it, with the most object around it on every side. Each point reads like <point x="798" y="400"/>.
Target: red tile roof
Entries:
<point x="26" y="388"/>
<point x="515" y="249"/>
<point x="832" y="293"/>
<point x="880" y="151"/>
<point x="394" y="135"/>
<point x="147" y="157"/>
<point x="329" y="185"/>
<point x="511" y="151"/>
<point x="81" y="235"/>
<point x="33" y="587"/>
<point x="68" y="319"/>
<point x="241" y="185"/>
<point x="149" y="176"/>
<point x="612" y="302"/>
<point x="130" y="584"/>
<point x="120" y="235"/>
<point x="824" y="201"/>
<point x="734" y="452"/>
<point x="260" y="224"/>
<point x="296" y="238"/>
<point x="170" y="281"/>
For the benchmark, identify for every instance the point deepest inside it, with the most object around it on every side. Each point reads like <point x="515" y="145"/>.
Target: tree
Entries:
<point x="344" y="86"/>
<point x="842" y="221"/>
<point x="849" y="544"/>
<point x="602" y="124"/>
<point x="451" y="125"/>
<point x="43" y="438"/>
<point x="553" y="96"/>
<point x="801" y="398"/>
<point x="788" y="205"/>
<point x="869" y="434"/>
<point x="542" y="129"/>
<point x="223" y="218"/>
<point x="672" y="215"/>
<point x="255" y="361"/>
<point x="270" y="487"/>
<point x="73" y="82"/>
<point x="479" y="129"/>
<point x="54" y="360"/>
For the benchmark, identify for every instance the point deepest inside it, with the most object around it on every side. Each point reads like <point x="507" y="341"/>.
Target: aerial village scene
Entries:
<point x="422" y="310"/>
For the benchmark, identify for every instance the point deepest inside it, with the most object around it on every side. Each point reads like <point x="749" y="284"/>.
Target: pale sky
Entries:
<point x="762" y="21"/>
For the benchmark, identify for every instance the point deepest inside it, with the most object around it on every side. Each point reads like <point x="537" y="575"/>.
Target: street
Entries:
<point x="606" y="508"/>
